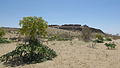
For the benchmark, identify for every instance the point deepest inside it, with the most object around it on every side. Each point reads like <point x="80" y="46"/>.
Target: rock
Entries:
<point x="75" y="27"/>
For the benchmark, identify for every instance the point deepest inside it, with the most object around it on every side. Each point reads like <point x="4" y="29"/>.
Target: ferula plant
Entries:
<point x="34" y="51"/>
<point x="33" y="26"/>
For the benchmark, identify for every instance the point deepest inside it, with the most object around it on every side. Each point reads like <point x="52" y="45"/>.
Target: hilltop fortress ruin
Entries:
<point x="75" y="27"/>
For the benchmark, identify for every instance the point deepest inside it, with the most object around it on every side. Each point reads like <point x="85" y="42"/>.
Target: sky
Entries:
<point x="100" y="14"/>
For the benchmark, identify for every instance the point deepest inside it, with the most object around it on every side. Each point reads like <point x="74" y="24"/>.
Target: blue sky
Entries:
<point x="101" y="14"/>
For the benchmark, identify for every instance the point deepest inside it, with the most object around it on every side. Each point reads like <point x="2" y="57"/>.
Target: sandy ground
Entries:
<point x="78" y="55"/>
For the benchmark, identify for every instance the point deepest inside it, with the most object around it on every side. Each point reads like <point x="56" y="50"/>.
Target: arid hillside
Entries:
<point x="74" y="53"/>
<point x="76" y="27"/>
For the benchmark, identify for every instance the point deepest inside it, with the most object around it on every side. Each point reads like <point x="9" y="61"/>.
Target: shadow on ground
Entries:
<point x="18" y="62"/>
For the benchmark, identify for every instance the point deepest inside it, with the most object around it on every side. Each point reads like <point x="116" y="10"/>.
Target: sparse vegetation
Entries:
<point x="2" y="33"/>
<point x="110" y="45"/>
<point x="3" y="40"/>
<point x="86" y="34"/>
<point x="94" y="43"/>
<point x="52" y="38"/>
<point x="71" y="43"/>
<point x="58" y="38"/>
<point x="34" y="51"/>
<point x="99" y="38"/>
<point x="108" y="39"/>
<point x="62" y="33"/>
<point x="115" y="37"/>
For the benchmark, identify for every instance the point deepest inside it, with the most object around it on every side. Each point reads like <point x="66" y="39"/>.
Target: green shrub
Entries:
<point x="108" y="39"/>
<point x="99" y="38"/>
<point x="27" y="54"/>
<point x="3" y="40"/>
<point x="33" y="26"/>
<point x="34" y="51"/>
<point x="110" y="45"/>
<point x="86" y="34"/>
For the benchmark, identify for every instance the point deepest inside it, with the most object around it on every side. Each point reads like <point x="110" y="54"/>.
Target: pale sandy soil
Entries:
<point x="78" y="55"/>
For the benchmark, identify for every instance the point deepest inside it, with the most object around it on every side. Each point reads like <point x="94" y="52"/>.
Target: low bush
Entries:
<point x="99" y="41"/>
<point x="108" y="39"/>
<point x="99" y="38"/>
<point x="30" y="53"/>
<point x="110" y="45"/>
<point x="4" y="40"/>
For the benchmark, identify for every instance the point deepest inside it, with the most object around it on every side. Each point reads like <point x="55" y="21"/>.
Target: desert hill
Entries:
<point x="76" y="27"/>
